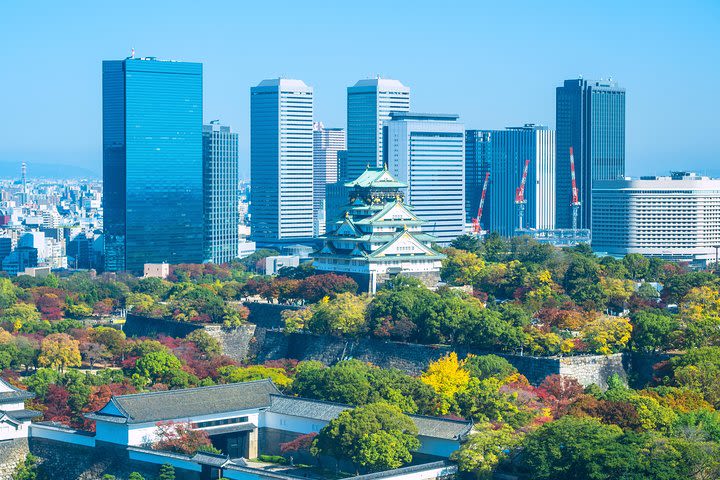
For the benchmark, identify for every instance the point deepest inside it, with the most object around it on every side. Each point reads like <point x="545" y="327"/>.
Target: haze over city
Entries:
<point x="494" y="65"/>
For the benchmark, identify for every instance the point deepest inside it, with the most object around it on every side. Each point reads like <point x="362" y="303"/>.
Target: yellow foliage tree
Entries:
<point x="607" y="334"/>
<point x="447" y="376"/>
<point x="59" y="350"/>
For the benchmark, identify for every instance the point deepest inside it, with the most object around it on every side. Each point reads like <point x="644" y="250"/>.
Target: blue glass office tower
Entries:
<point x="152" y="163"/>
<point x="590" y="117"/>
<point x="503" y="153"/>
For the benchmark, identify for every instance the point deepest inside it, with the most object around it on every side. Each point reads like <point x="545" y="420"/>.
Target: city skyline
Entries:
<point x="501" y="94"/>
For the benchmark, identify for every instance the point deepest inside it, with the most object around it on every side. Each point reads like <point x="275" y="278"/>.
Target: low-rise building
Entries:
<point x="674" y="217"/>
<point x="14" y="418"/>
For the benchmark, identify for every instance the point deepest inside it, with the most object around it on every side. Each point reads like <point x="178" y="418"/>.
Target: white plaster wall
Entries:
<point x="291" y="423"/>
<point x="8" y="431"/>
<point x="61" y="435"/>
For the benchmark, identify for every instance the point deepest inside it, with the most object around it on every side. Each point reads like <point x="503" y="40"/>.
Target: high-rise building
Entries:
<point x="427" y="152"/>
<point x="673" y="217"/>
<point x="152" y="163"/>
<point x="590" y="117"/>
<point x="503" y="153"/>
<point x="281" y="161"/>
<point x="220" y="191"/>
<point x="369" y="103"/>
<point x="327" y="142"/>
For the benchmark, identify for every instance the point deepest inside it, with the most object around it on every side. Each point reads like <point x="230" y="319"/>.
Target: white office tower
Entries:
<point x="427" y="152"/>
<point x="327" y="142"/>
<point x="369" y="103"/>
<point x="675" y="217"/>
<point x="220" y="192"/>
<point x="281" y="161"/>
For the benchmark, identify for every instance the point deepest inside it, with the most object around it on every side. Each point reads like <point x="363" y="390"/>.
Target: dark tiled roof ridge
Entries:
<point x="206" y="387"/>
<point x="347" y="405"/>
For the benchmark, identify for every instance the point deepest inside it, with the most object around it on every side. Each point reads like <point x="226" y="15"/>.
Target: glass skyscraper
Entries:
<point x="503" y="153"/>
<point x="427" y="152"/>
<point x="152" y="163"/>
<point x="590" y="117"/>
<point x="220" y="189"/>
<point x="369" y="103"/>
<point x="281" y="161"/>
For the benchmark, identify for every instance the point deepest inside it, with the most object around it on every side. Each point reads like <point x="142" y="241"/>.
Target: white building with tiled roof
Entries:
<point x="14" y="418"/>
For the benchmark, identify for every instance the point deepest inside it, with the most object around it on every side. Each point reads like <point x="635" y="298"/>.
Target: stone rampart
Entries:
<point x="12" y="453"/>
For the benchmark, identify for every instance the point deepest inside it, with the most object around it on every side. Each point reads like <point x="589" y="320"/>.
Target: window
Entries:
<point x="224" y="421"/>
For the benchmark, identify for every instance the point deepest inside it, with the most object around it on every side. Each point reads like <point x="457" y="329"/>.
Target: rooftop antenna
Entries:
<point x="23" y="171"/>
<point x="132" y="53"/>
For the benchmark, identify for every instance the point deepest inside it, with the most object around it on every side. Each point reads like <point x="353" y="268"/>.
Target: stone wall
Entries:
<point x="12" y="453"/>
<point x="235" y="343"/>
<point x="63" y="461"/>
<point x="267" y="315"/>
<point x="137" y="326"/>
<point x="413" y="358"/>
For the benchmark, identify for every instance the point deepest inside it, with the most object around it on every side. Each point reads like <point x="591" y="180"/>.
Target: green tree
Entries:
<point x="652" y="330"/>
<point x="637" y="265"/>
<point x="485" y="449"/>
<point x="485" y="366"/>
<point x="8" y="293"/>
<point x="160" y="366"/>
<point x="20" y="314"/>
<point x="136" y="476"/>
<point x="574" y="448"/>
<point x="469" y="243"/>
<point x="27" y="469"/>
<point x="232" y="374"/>
<point x="342" y="315"/>
<point x="207" y="344"/>
<point x="495" y="246"/>
<point x="167" y="472"/>
<point x="375" y="437"/>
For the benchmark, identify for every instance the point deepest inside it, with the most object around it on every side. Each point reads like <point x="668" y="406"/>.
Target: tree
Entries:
<point x="652" y="330"/>
<point x="607" y="335"/>
<point x="447" y="376"/>
<point x="342" y="315"/>
<point x="207" y="344"/>
<point x="8" y="293"/>
<point x="296" y="320"/>
<point x="485" y="449"/>
<point x="376" y="437"/>
<point x="59" y="350"/>
<point x="461" y="267"/>
<point x="469" y="243"/>
<point x="232" y="374"/>
<point x="112" y="338"/>
<point x="50" y="306"/>
<point x="317" y="287"/>
<point x="485" y="366"/>
<point x="637" y="265"/>
<point x="159" y="366"/>
<point x="181" y="438"/>
<point x="27" y="469"/>
<point x="167" y="472"/>
<point x="136" y="476"/>
<point x="574" y="448"/>
<point x="300" y="443"/>
<point x="20" y="314"/>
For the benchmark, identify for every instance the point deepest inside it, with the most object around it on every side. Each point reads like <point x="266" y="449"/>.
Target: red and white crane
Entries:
<point x="476" y="221"/>
<point x="575" y="201"/>
<point x="520" y="199"/>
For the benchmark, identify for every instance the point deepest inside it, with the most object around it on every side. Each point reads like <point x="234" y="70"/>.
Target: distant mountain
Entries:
<point x="47" y="170"/>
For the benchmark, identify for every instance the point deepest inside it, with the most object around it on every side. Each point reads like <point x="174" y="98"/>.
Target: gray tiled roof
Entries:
<point x="22" y="415"/>
<point x="192" y="402"/>
<point x="13" y="396"/>
<point x="434" y="427"/>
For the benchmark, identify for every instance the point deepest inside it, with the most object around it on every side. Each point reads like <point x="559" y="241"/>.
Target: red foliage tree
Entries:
<point x="316" y="287"/>
<point x="50" y="306"/>
<point x="180" y="438"/>
<point x="559" y="391"/>
<point x="303" y="442"/>
<point x="56" y="403"/>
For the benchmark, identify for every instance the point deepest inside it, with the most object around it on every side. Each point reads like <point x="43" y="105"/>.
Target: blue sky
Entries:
<point x="494" y="63"/>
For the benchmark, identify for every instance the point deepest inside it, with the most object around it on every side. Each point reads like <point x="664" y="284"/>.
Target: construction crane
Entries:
<point x="476" y="221"/>
<point x="575" y="202"/>
<point x="520" y="199"/>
